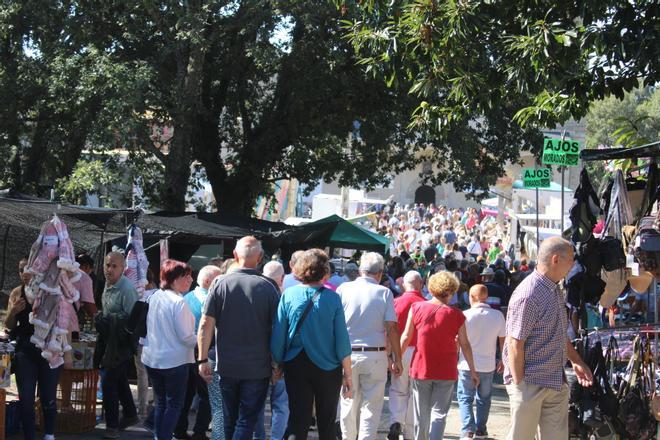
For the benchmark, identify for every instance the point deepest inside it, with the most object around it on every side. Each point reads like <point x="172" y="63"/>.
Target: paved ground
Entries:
<point x="497" y="425"/>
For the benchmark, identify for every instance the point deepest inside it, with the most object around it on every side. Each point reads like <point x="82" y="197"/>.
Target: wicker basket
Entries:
<point x="76" y="402"/>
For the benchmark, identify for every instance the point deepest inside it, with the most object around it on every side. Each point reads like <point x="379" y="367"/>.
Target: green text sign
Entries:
<point x="536" y="177"/>
<point x="560" y="152"/>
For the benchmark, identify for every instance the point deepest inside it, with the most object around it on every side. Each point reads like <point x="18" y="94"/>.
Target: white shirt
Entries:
<point x="289" y="281"/>
<point x="484" y="325"/>
<point x="474" y="248"/>
<point x="367" y="305"/>
<point x="170" y="331"/>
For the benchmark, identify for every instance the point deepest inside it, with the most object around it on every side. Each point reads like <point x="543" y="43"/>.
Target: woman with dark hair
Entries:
<point x="169" y="347"/>
<point x="433" y="369"/>
<point x="311" y="341"/>
<point x="31" y="368"/>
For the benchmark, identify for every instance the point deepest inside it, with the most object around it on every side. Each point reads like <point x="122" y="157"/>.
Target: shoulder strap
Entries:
<point x="308" y="308"/>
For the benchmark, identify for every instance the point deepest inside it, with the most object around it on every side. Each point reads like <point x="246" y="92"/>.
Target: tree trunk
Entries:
<point x="186" y="115"/>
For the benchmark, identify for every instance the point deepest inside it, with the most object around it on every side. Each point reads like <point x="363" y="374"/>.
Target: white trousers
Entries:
<point x="401" y="397"/>
<point x="360" y="415"/>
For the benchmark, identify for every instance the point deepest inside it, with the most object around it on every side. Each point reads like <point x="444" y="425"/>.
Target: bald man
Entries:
<point x="537" y="348"/>
<point x="485" y="327"/>
<point x="118" y="299"/>
<point x="241" y="306"/>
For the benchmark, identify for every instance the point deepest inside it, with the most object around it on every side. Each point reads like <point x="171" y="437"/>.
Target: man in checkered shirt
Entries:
<point x="537" y="347"/>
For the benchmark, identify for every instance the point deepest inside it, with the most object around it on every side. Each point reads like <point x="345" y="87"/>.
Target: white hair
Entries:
<point x="273" y="270"/>
<point x="207" y="274"/>
<point x="294" y="257"/>
<point x="248" y="247"/>
<point x="553" y="246"/>
<point x="410" y="278"/>
<point x="372" y="263"/>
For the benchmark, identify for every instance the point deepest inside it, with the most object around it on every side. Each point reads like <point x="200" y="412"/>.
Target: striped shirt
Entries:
<point x="537" y="316"/>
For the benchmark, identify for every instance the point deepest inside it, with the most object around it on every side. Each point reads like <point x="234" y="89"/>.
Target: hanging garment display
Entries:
<point x="585" y="210"/>
<point x="51" y="291"/>
<point x="136" y="260"/>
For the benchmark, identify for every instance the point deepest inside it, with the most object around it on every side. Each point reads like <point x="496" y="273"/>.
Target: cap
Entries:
<point x="488" y="271"/>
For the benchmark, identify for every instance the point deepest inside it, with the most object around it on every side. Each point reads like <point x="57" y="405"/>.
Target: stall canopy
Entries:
<point x="334" y="231"/>
<point x="648" y="150"/>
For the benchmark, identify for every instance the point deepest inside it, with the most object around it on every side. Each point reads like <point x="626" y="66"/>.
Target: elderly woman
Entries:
<point x="433" y="369"/>
<point x="170" y="343"/>
<point x="311" y="340"/>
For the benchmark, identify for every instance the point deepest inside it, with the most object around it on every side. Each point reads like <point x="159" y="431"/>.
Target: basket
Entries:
<point x="76" y="402"/>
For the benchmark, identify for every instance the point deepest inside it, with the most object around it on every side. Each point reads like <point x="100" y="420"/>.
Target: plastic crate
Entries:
<point x="76" y="402"/>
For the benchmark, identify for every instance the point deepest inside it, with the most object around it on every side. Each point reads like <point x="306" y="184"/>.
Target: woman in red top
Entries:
<point x="433" y="369"/>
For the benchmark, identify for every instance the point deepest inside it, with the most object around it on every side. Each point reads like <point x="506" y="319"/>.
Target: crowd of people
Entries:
<point x="323" y="342"/>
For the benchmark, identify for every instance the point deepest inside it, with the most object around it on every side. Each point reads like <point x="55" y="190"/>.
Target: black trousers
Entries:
<point x="196" y="385"/>
<point x="307" y="384"/>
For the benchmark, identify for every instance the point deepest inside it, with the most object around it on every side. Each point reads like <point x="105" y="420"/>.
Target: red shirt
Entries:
<point x="402" y="307"/>
<point x="436" y="352"/>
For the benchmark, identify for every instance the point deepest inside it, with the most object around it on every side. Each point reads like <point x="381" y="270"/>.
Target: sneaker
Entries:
<point x="467" y="436"/>
<point x="111" y="433"/>
<point x="125" y="422"/>
<point x="395" y="431"/>
<point x="481" y="434"/>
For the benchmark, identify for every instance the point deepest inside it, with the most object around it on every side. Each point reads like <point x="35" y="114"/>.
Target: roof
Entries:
<point x="648" y="150"/>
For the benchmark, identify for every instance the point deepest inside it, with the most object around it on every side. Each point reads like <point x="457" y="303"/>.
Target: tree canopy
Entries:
<point x="462" y="55"/>
<point x="243" y="93"/>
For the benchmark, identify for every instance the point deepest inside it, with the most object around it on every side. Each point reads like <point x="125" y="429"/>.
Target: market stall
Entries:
<point x="620" y="256"/>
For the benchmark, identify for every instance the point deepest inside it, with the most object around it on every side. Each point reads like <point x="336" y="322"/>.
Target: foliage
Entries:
<point x="628" y="122"/>
<point x="88" y="178"/>
<point x="467" y="56"/>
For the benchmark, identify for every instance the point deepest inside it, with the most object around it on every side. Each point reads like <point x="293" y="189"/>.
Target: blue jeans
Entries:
<point x="466" y="393"/>
<point x="242" y="401"/>
<point x="31" y="370"/>
<point x="170" y="386"/>
<point x="279" y="408"/>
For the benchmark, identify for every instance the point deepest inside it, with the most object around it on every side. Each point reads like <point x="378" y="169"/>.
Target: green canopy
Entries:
<point x="340" y="233"/>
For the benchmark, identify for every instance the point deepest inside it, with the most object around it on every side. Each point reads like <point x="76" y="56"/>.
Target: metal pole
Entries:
<point x="562" y="200"/>
<point x="655" y="307"/>
<point x="537" y="222"/>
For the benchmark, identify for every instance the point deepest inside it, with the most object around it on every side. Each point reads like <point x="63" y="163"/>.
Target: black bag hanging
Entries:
<point x="584" y="211"/>
<point x="612" y="255"/>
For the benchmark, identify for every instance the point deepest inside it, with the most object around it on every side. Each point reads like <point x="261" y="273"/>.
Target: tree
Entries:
<point x="253" y="92"/>
<point x="629" y="122"/>
<point x="551" y="57"/>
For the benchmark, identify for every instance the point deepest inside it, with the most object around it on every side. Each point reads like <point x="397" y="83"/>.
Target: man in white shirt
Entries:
<point x="289" y="279"/>
<point x="485" y="328"/>
<point x="372" y="324"/>
<point x="474" y="247"/>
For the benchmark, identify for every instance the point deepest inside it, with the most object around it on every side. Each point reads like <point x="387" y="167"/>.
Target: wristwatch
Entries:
<point x="201" y="361"/>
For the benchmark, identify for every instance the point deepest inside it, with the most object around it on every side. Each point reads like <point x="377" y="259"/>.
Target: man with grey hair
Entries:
<point x="241" y="306"/>
<point x="372" y="326"/>
<point x="279" y="400"/>
<point x="537" y="347"/>
<point x="401" y="404"/>
<point x="289" y="279"/>
<point x="275" y="271"/>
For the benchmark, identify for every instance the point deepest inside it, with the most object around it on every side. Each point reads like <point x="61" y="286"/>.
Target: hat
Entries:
<point x="488" y="271"/>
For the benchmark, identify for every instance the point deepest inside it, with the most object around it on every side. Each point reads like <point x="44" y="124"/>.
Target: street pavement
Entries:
<point x="497" y="425"/>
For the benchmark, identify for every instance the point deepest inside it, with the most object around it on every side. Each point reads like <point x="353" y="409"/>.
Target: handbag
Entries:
<point x="136" y="324"/>
<point x="611" y="251"/>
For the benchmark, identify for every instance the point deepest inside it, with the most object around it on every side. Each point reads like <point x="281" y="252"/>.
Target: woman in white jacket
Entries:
<point x="169" y="345"/>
